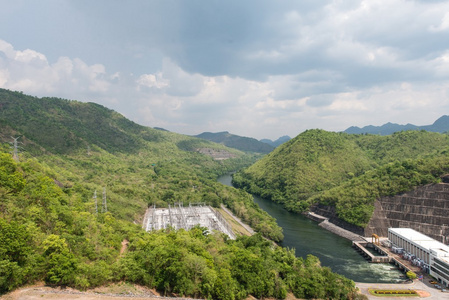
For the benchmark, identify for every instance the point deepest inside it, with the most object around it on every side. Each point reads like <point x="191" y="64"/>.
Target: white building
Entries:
<point x="431" y="254"/>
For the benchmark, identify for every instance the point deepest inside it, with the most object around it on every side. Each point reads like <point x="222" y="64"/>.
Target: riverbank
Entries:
<point x="305" y="236"/>
<point x="324" y="223"/>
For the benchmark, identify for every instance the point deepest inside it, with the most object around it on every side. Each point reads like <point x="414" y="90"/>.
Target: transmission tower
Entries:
<point x="105" y="205"/>
<point x="96" y="204"/>
<point x="15" y="154"/>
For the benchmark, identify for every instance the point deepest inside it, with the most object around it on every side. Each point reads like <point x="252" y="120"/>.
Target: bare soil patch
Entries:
<point x="120" y="291"/>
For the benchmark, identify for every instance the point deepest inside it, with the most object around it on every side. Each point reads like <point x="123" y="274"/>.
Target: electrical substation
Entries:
<point x="177" y="216"/>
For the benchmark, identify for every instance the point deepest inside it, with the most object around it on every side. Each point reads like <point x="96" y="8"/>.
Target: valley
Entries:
<point x="306" y="237"/>
<point x="71" y="151"/>
<point x="224" y="150"/>
<point x="54" y="231"/>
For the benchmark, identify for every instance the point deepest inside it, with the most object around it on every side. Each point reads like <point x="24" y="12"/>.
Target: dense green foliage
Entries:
<point x="346" y="171"/>
<point x="50" y="230"/>
<point x="196" y="264"/>
<point x="52" y="234"/>
<point x="60" y="126"/>
<point x="152" y="167"/>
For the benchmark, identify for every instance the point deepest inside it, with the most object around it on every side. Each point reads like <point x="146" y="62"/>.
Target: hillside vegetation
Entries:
<point x="51" y="230"/>
<point x="346" y="171"/>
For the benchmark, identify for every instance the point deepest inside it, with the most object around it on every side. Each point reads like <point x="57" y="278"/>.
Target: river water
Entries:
<point x="306" y="237"/>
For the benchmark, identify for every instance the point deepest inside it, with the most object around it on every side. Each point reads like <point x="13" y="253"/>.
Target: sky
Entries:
<point x="255" y="68"/>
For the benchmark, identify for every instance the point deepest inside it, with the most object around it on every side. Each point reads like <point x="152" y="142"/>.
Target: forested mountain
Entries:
<point x="441" y="125"/>
<point x="347" y="172"/>
<point x="237" y="142"/>
<point x="277" y="142"/>
<point x="51" y="229"/>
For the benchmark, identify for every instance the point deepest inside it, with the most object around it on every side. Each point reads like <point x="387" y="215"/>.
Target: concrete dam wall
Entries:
<point x="425" y="209"/>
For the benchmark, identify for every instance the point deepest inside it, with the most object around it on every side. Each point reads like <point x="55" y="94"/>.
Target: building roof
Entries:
<point x="421" y="240"/>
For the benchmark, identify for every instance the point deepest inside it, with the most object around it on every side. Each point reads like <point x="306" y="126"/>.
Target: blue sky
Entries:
<point x="254" y="68"/>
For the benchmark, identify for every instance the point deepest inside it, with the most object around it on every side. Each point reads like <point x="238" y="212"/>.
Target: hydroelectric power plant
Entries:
<point x="178" y="216"/>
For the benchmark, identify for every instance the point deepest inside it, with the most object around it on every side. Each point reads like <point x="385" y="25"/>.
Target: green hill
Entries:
<point x="63" y="126"/>
<point x="51" y="231"/>
<point x="319" y="167"/>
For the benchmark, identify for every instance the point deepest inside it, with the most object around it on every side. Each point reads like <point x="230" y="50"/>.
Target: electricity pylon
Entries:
<point x="96" y="204"/>
<point x="105" y="205"/>
<point x="15" y="154"/>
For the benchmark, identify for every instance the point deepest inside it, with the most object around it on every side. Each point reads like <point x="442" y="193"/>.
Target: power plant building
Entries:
<point x="432" y="255"/>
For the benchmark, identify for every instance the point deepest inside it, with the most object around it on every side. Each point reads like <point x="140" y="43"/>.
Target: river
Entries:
<point x="335" y="252"/>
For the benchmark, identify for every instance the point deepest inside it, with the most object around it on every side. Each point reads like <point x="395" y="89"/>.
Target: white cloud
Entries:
<point x="4" y="77"/>
<point x="153" y="80"/>
<point x="64" y="66"/>
<point x="282" y="104"/>
<point x="278" y="69"/>
<point x="30" y="71"/>
<point x="7" y="49"/>
<point x="444" y="25"/>
<point x="29" y="56"/>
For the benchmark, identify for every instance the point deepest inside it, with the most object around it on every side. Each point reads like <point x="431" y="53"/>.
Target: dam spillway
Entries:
<point x="178" y="216"/>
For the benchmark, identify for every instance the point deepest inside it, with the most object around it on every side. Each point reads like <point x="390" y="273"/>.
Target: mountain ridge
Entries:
<point x="279" y="141"/>
<point x="441" y="125"/>
<point x="241" y="143"/>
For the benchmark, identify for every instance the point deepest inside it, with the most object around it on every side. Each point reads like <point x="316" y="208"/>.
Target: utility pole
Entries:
<point x="96" y="204"/>
<point x="105" y="205"/>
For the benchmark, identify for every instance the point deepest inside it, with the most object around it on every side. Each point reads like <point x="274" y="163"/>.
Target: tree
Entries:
<point x="61" y="263"/>
<point x="411" y="275"/>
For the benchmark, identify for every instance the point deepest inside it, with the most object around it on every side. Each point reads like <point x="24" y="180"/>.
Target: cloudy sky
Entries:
<point x="254" y="68"/>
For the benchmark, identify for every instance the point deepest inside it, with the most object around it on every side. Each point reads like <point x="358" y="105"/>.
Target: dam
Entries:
<point x="424" y="209"/>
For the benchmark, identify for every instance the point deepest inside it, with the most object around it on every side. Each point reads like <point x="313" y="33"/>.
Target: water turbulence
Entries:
<point x="335" y="252"/>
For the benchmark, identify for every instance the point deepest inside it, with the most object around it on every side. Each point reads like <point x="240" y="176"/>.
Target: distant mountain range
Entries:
<point x="237" y="142"/>
<point x="441" y="125"/>
<point x="277" y="142"/>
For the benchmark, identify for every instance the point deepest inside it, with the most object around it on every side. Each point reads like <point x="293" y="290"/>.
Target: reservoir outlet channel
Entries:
<point x="335" y="252"/>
